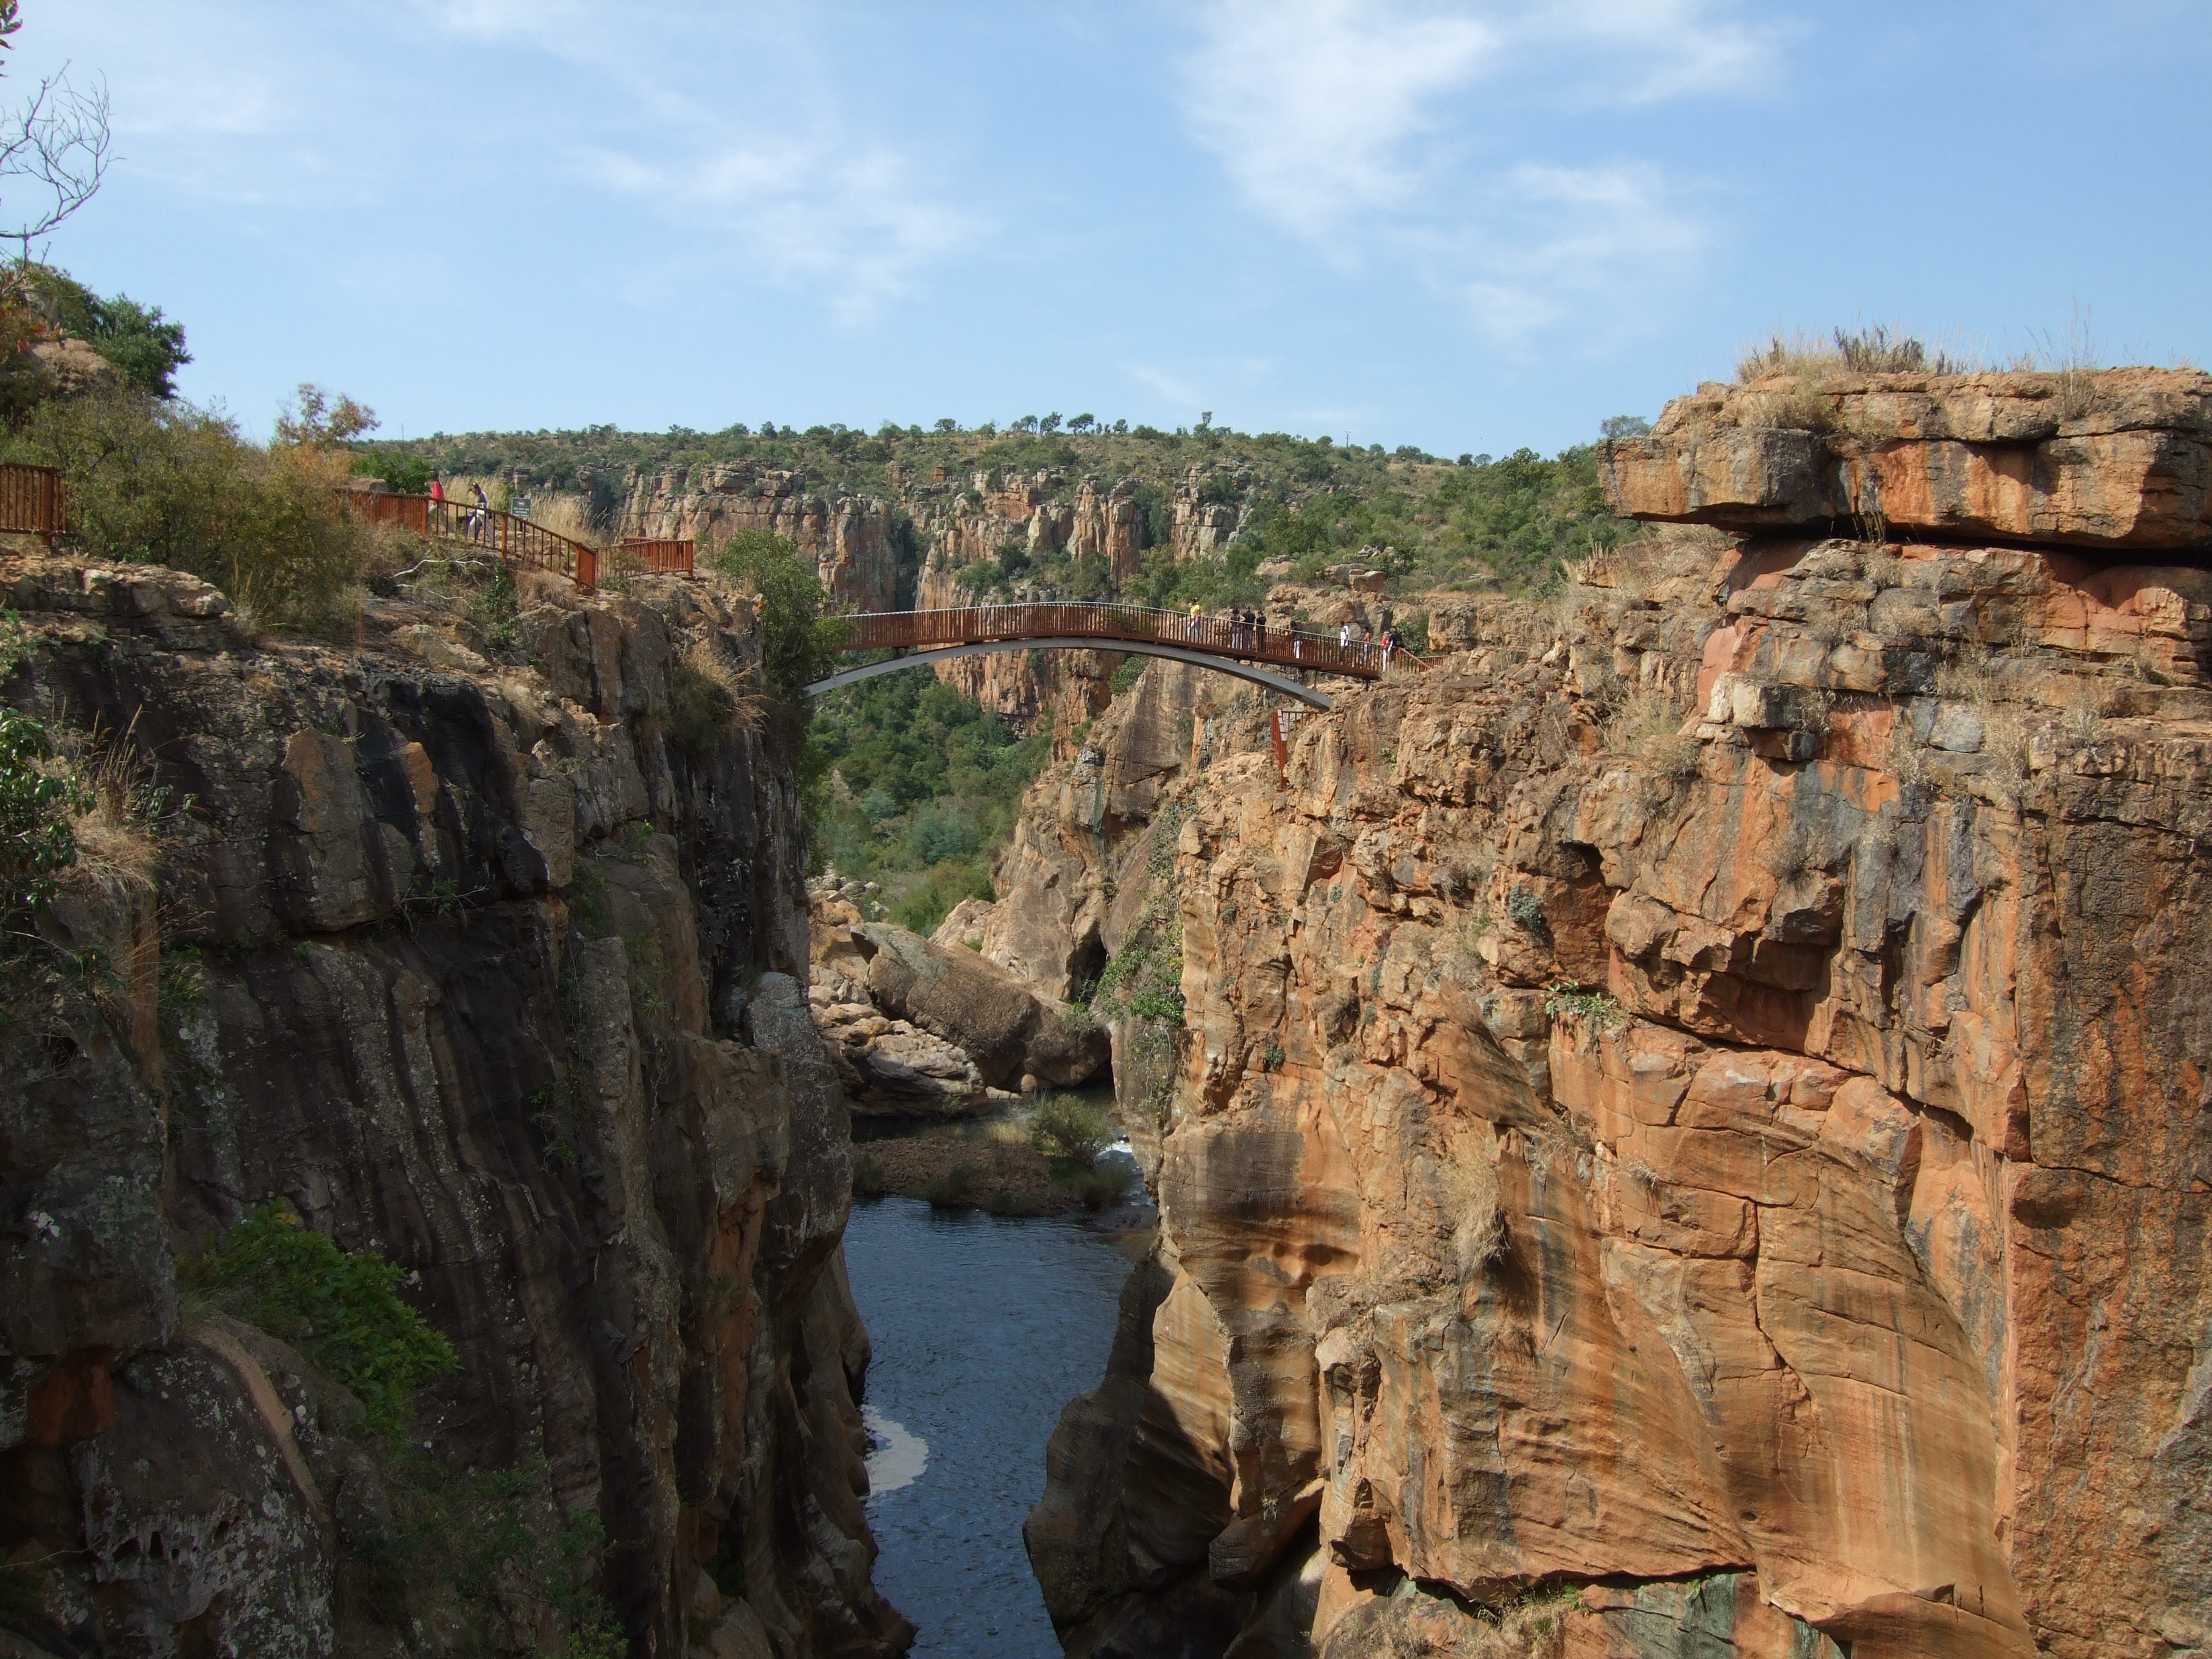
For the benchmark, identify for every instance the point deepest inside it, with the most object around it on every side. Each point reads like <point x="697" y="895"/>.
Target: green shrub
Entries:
<point x="1095" y="1189"/>
<point x="340" y="1309"/>
<point x="868" y="1180"/>
<point x="36" y="842"/>
<point x="159" y="483"/>
<point x="798" y="645"/>
<point x="487" y="1552"/>
<point x="1073" y="1128"/>
<point x="956" y="1189"/>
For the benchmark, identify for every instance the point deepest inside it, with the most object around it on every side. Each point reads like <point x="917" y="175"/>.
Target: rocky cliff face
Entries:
<point x="478" y="967"/>
<point x="854" y="542"/>
<point x="1689" y="1132"/>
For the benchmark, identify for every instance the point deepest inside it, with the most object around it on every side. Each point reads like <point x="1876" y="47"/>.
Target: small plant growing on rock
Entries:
<point x="1567" y="999"/>
<point x="1525" y="910"/>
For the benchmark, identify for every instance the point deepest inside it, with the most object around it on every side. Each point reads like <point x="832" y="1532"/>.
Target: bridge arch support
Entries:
<point x="1229" y="666"/>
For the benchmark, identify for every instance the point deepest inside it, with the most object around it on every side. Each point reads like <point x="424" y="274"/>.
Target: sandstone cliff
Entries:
<point x="855" y="543"/>
<point x="1689" y="1132"/>
<point x="480" y="968"/>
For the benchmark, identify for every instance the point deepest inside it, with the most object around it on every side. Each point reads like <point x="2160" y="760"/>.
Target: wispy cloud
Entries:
<point x="848" y="219"/>
<point x="1552" y="244"/>
<point x="1401" y="127"/>
<point x="1310" y="104"/>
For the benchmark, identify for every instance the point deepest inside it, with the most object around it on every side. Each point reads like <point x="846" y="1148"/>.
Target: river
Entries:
<point x="981" y="1328"/>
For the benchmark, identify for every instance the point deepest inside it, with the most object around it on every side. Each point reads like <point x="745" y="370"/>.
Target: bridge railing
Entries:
<point x="648" y="555"/>
<point x="33" y="500"/>
<point x="973" y="624"/>
<point x="513" y="540"/>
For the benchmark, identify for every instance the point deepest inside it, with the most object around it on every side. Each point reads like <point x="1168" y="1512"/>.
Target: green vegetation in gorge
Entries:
<point x="916" y="786"/>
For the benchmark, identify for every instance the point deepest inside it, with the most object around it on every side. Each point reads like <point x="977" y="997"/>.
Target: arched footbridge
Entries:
<point x="1240" y="649"/>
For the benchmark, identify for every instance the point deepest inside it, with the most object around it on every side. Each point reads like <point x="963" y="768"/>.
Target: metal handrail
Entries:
<point x="513" y="541"/>
<point x="33" y="500"/>
<point x="1250" y="642"/>
<point x="651" y="555"/>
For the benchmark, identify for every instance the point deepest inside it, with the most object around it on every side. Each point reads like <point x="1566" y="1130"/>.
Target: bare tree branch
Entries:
<point x="61" y="144"/>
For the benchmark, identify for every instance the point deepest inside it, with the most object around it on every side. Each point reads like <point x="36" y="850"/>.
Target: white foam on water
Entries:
<point x="895" y="1458"/>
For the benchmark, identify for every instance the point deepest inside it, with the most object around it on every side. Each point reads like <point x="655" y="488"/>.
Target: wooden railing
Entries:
<point x="33" y="500"/>
<point x="645" y="556"/>
<point x="1217" y="635"/>
<point x="512" y="540"/>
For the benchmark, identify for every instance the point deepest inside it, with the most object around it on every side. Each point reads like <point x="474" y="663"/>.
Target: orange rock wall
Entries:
<point x="1747" y="1180"/>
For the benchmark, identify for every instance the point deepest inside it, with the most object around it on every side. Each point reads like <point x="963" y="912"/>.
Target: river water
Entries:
<point x="982" y="1328"/>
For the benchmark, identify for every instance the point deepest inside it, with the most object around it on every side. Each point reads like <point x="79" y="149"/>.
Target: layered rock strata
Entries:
<point x="483" y="971"/>
<point x="1690" y="1135"/>
<point x="2121" y="459"/>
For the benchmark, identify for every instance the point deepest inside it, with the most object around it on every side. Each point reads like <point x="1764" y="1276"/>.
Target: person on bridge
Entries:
<point x="1344" y="637"/>
<point x="438" y="488"/>
<point x="480" y="513"/>
<point x="1193" y="619"/>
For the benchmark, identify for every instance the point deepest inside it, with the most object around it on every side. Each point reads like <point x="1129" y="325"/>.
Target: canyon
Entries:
<point x="1679" y="1123"/>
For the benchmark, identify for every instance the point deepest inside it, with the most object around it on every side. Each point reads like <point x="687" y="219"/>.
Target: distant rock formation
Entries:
<point x="849" y="539"/>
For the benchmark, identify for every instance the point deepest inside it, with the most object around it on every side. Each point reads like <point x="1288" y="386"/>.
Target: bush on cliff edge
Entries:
<point x="340" y="1309"/>
<point x="159" y="482"/>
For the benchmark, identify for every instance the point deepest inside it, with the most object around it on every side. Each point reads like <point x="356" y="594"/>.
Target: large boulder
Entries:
<point x="1006" y="1028"/>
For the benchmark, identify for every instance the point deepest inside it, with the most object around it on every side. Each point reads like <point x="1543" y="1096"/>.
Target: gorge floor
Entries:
<point x="982" y="1328"/>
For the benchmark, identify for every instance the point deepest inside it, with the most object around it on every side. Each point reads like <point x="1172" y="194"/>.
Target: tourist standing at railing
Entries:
<point x="1193" y="621"/>
<point x="1389" y="646"/>
<point x="437" y="489"/>
<point x="479" y="514"/>
<point x="1366" y="642"/>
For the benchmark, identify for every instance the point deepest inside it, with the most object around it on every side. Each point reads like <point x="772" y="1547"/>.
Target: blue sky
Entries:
<point x="1468" y="227"/>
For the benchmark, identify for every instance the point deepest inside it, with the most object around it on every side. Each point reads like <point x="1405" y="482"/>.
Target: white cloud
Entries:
<point x="1412" y="128"/>
<point x="1311" y="103"/>
<point x="1174" y="387"/>
<point x="1552" y="244"/>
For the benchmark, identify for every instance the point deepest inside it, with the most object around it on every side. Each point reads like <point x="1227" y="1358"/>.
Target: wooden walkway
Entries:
<point x="516" y="541"/>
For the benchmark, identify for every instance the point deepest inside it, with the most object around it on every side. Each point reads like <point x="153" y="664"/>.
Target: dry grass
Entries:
<point x="1467" y="1192"/>
<point x="118" y="832"/>
<point x="1874" y="349"/>
<point x="1648" y="726"/>
<point x="711" y="701"/>
<point x="1971" y="677"/>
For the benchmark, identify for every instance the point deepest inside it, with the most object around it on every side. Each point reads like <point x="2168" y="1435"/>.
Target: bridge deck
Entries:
<point x="1215" y="636"/>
